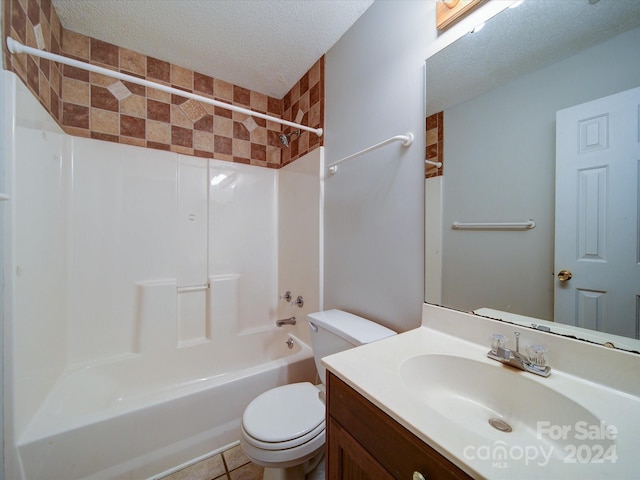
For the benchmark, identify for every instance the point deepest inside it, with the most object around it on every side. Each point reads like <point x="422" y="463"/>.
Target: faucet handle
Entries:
<point x="498" y="342"/>
<point x="538" y="355"/>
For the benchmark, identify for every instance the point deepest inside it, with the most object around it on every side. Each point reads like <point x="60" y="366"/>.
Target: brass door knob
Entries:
<point x="564" y="275"/>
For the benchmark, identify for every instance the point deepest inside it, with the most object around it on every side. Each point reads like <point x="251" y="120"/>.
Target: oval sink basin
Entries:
<point x="470" y="393"/>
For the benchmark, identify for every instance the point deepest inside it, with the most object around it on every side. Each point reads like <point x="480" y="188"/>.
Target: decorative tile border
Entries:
<point x="435" y="144"/>
<point x="96" y="106"/>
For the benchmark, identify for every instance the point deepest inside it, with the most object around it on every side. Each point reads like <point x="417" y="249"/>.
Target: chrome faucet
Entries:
<point x="286" y="321"/>
<point x="534" y="363"/>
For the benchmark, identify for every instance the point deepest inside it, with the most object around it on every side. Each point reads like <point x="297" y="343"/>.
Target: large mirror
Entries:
<point x="499" y="89"/>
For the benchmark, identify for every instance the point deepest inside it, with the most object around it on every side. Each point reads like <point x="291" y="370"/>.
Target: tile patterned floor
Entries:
<point x="231" y="464"/>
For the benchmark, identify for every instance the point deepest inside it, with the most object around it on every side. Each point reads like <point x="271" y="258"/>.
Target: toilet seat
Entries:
<point x="284" y="417"/>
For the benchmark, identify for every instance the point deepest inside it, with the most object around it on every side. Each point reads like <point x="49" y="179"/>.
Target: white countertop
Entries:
<point x="374" y="371"/>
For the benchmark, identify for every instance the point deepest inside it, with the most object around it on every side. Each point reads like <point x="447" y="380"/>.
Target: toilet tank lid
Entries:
<point x="353" y="328"/>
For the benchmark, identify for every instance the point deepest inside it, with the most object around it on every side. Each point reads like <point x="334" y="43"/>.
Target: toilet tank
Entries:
<point x="333" y="331"/>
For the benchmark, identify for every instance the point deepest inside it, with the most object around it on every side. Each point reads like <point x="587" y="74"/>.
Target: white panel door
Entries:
<point x="597" y="158"/>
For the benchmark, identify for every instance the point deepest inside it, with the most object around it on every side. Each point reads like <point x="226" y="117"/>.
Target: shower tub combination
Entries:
<point x="139" y="416"/>
<point x="152" y="330"/>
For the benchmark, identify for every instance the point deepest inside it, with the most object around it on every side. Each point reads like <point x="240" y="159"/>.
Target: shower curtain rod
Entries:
<point x="16" y="47"/>
<point x="406" y="139"/>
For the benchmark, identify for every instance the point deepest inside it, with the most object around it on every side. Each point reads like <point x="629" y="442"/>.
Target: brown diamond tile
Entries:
<point x="76" y="73"/>
<point x="102" y="98"/>
<point x="158" y="69"/>
<point x="18" y="20"/>
<point x="205" y="124"/>
<point x="158" y="111"/>
<point x="33" y="75"/>
<point x="202" y="83"/>
<point x="135" y="88"/>
<point x="132" y="126"/>
<point x="158" y="146"/>
<point x="45" y="67"/>
<point x="105" y="137"/>
<point x="273" y="138"/>
<point x="45" y="5"/>
<point x="274" y="106"/>
<point x="222" y="112"/>
<point x="204" y="154"/>
<point x="182" y="137"/>
<point x="75" y="115"/>
<point x="314" y="94"/>
<point x="55" y="104"/>
<point x="240" y="131"/>
<point x="222" y="145"/>
<point x="258" y="152"/>
<point x="286" y="102"/>
<point x="103" y="52"/>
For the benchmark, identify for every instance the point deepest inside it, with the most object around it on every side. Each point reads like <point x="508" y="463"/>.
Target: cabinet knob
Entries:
<point x="418" y="476"/>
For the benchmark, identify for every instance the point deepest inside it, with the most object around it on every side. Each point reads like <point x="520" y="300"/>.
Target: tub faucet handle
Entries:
<point x="286" y="296"/>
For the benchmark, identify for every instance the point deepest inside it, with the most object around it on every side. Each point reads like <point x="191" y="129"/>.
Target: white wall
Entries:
<point x="35" y="257"/>
<point x="500" y="166"/>
<point x="374" y="204"/>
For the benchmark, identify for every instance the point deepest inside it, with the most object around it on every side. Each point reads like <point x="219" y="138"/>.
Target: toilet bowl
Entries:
<point x="291" y="435"/>
<point x="283" y="429"/>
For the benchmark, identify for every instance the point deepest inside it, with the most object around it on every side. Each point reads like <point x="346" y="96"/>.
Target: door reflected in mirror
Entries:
<point x="499" y="91"/>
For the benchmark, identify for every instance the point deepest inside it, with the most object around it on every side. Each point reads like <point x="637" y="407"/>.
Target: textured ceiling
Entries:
<point x="521" y="40"/>
<point x="262" y="45"/>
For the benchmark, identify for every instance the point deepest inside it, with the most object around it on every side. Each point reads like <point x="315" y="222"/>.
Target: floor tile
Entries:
<point x="207" y="469"/>
<point x="235" y="457"/>
<point x="249" y="471"/>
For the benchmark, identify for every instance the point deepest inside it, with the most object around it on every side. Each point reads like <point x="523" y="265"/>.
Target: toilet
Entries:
<point x="283" y="429"/>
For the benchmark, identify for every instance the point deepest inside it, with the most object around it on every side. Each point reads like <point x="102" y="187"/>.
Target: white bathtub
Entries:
<point x="143" y="414"/>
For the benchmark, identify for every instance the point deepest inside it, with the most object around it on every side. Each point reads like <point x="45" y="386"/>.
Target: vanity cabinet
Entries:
<point x="363" y="442"/>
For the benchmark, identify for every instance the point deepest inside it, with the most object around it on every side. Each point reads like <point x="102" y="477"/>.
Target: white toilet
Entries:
<point x="283" y="429"/>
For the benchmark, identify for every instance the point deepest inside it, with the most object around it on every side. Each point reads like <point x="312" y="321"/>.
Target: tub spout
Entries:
<point x="286" y="321"/>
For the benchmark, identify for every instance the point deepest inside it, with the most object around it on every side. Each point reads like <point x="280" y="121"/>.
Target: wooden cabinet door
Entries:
<point x="366" y="443"/>
<point x="348" y="459"/>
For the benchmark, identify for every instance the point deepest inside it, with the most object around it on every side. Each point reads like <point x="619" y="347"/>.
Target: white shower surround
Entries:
<point x="98" y="237"/>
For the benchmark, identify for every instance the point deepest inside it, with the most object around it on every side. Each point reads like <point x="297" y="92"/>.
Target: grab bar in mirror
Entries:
<point x="494" y="225"/>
